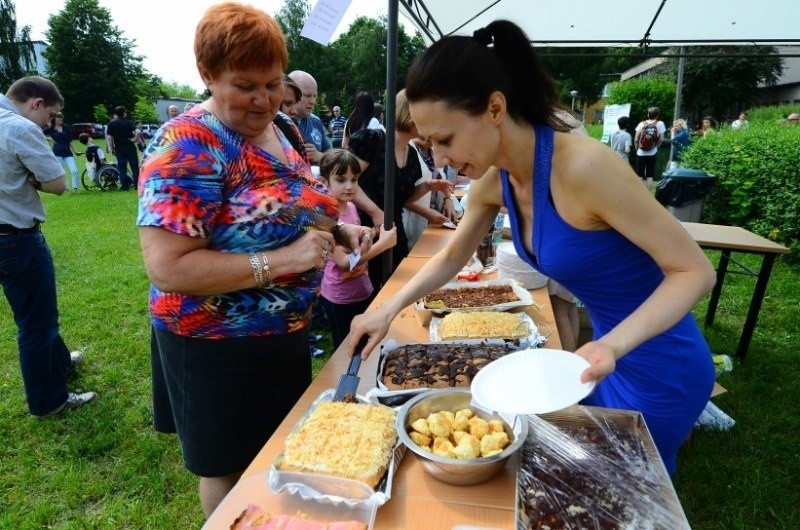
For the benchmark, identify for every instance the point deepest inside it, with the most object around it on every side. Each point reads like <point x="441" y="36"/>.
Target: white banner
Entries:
<point x="610" y="116"/>
<point x="324" y="19"/>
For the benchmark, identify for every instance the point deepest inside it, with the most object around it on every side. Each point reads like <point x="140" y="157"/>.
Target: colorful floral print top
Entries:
<point x="202" y="179"/>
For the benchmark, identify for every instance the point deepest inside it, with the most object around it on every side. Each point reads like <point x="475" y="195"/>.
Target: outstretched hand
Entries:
<point x="374" y="324"/>
<point x="602" y="360"/>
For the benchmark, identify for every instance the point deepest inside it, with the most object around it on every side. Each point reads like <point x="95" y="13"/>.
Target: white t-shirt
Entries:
<point x="661" y="130"/>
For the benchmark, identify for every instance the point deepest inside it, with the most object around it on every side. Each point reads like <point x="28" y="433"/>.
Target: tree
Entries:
<point x="17" y="58"/>
<point x="355" y="62"/>
<point x="727" y="83"/>
<point x="304" y="54"/>
<point x="643" y="93"/>
<point x="144" y="111"/>
<point x="90" y="60"/>
<point x="587" y="70"/>
<point x="100" y="113"/>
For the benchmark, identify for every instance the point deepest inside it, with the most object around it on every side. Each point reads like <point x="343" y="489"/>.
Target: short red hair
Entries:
<point x="233" y="36"/>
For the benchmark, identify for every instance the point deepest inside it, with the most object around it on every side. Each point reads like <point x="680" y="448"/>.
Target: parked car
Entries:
<point x="88" y="128"/>
<point x="149" y="129"/>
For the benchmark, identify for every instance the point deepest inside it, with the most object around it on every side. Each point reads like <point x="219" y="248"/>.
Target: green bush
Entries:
<point x="758" y="181"/>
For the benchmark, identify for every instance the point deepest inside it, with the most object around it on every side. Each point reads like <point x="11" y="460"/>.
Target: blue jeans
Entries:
<point x="125" y="158"/>
<point x="29" y="283"/>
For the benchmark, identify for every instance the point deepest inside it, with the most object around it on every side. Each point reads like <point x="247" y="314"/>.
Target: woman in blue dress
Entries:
<point x="578" y="214"/>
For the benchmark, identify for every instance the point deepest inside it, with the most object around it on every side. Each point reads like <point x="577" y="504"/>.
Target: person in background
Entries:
<point x="61" y="134"/>
<point x="647" y="148"/>
<point x="172" y="112"/>
<point x="189" y="106"/>
<point x="291" y="97"/>
<point x="138" y="136"/>
<point x="709" y="126"/>
<point x="361" y="117"/>
<point x="742" y="122"/>
<point x="95" y="157"/>
<point x="369" y="146"/>
<point x="378" y="112"/>
<point x="680" y="139"/>
<point x="29" y="167"/>
<point x="578" y="215"/>
<point x="235" y="231"/>
<point x="346" y="289"/>
<point x="310" y="125"/>
<point x="621" y="140"/>
<point x="336" y="126"/>
<point x="416" y="213"/>
<point x="119" y="142"/>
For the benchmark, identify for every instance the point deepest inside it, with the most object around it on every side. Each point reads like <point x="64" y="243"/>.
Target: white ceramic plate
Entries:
<point x="533" y="381"/>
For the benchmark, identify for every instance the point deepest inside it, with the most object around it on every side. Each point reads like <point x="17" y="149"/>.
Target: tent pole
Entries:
<point x="678" y="95"/>
<point x="391" y="92"/>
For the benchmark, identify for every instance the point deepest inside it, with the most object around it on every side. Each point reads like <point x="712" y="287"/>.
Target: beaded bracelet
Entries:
<point x="256" y="269"/>
<point x="267" y="270"/>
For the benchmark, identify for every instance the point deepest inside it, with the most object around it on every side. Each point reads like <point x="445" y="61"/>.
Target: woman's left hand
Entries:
<point x="353" y="237"/>
<point x="441" y="185"/>
<point x="602" y="360"/>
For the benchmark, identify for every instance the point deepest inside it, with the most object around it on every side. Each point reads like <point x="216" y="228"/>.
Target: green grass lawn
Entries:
<point x="103" y="467"/>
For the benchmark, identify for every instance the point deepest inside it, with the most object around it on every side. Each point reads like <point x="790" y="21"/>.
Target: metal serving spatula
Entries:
<point x="348" y="382"/>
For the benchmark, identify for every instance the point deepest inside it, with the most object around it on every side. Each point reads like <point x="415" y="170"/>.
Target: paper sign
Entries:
<point x="324" y="19"/>
<point x="610" y="116"/>
<point x="354" y="257"/>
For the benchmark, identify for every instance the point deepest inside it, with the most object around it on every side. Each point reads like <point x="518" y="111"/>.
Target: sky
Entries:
<point x="164" y="29"/>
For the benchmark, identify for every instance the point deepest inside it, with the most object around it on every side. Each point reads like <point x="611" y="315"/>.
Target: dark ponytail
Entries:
<point x="464" y="71"/>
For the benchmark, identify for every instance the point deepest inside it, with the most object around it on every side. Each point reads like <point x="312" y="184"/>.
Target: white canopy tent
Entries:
<point x="615" y="22"/>
<point x="589" y="23"/>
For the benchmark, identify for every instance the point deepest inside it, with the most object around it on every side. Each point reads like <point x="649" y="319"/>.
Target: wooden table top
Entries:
<point x="732" y="238"/>
<point x="417" y="500"/>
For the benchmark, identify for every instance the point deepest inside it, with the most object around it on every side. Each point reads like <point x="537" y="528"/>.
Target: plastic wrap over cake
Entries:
<point x="594" y="468"/>
<point x="331" y="489"/>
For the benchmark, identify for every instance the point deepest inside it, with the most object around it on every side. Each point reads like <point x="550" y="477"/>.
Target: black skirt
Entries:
<point x="225" y="397"/>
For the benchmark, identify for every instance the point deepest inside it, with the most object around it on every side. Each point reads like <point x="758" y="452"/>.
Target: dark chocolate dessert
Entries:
<point x="437" y="365"/>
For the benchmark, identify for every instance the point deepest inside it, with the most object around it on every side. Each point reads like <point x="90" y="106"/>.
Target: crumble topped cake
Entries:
<point x="348" y="440"/>
<point x="462" y="297"/>
<point x="437" y="365"/>
<point x="482" y="325"/>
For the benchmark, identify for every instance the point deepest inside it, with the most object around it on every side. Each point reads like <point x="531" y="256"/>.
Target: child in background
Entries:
<point x="621" y="140"/>
<point x="95" y="157"/>
<point x="346" y="289"/>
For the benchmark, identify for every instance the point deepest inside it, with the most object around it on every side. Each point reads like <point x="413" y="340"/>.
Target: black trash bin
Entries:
<point x="683" y="191"/>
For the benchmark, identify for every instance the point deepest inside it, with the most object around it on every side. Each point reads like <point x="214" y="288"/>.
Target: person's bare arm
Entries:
<point x="440" y="269"/>
<point x="366" y="205"/>
<point x="430" y="214"/>
<point x="594" y="190"/>
<point x="178" y="263"/>
<point x="56" y="186"/>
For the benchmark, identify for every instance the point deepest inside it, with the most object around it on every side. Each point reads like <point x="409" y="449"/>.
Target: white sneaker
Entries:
<point x="75" y="359"/>
<point x="73" y="401"/>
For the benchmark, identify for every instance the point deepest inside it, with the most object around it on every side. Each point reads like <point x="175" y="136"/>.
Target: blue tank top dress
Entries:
<point x="668" y="378"/>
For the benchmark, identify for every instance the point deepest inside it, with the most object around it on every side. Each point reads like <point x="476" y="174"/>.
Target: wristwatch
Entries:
<point x="339" y="225"/>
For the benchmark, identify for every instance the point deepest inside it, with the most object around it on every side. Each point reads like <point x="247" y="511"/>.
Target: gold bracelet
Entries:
<point x="256" y="269"/>
<point x="267" y="270"/>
